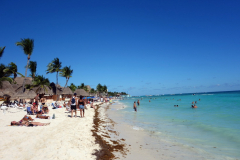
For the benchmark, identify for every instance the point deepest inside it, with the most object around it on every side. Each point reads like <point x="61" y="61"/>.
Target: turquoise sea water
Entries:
<point x="214" y="127"/>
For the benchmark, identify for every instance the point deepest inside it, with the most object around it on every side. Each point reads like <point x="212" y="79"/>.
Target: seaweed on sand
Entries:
<point x="107" y="149"/>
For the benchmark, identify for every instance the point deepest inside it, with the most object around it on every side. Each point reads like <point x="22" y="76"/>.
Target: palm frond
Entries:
<point x="1" y="51"/>
<point x="27" y="45"/>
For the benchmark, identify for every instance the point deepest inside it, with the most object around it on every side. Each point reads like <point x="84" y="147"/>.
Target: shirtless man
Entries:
<point x="138" y="102"/>
<point x="135" y="106"/>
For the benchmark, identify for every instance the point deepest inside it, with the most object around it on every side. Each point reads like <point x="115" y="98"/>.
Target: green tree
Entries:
<point x="72" y="87"/>
<point x="54" y="66"/>
<point x="41" y="82"/>
<point x="99" y="88"/>
<point x="12" y="70"/>
<point x="1" y="51"/>
<point x="81" y="86"/>
<point x="92" y="90"/>
<point x="4" y="76"/>
<point x="67" y="73"/>
<point x="86" y="88"/>
<point x="33" y="68"/>
<point x="104" y="89"/>
<point x="27" y="45"/>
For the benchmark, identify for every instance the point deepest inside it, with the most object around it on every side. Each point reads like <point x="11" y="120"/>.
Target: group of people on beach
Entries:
<point x="79" y="103"/>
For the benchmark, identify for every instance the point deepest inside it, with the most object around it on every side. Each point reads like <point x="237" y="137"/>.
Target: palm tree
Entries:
<point x="41" y="82"/>
<point x="3" y="75"/>
<point x="86" y="88"/>
<point x="54" y="66"/>
<point x="81" y="86"/>
<point x="99" y="88"/>
<point x="1" y="51"/>
<point x="104" y="89"/>
<point x="27" y="45"/>
<point x="72" y="87"/>
<point x="66" y="72"/>
<point x="92" y="90"/>
<point x="12" y="69"/>
<point x="33" y="68"/>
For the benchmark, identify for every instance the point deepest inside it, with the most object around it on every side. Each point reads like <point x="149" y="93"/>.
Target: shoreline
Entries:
<point x="101" y="134"/>
<point x="146" y="145"/>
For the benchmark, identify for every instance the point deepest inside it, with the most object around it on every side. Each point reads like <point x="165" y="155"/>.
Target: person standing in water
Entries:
<point x="138" y="102"/>
<point x="135" y="106"/>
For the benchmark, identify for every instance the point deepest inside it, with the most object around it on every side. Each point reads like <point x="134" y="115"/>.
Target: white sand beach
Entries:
<point x="64" y="138"/>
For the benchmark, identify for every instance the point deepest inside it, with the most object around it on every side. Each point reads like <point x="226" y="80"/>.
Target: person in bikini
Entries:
<point x="81" y="104"/>
<point x="42" y="116"/>
<point x="27" y="121"/>
<point x="45" y="109"/>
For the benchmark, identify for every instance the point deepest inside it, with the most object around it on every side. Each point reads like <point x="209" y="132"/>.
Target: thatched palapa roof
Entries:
<point x="28" y="94"/>
<point x="67" y="90"/>
<point x="7" y="88"/>
<point x="16" y="86"/>
<point x="44" y="90"/>
<point x="19" y="80"/>
<point x="57" y="89"/>
<point x="81" y="92"/>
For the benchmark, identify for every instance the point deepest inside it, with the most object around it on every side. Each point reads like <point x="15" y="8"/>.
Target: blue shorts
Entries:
<point x="81" y="107"/>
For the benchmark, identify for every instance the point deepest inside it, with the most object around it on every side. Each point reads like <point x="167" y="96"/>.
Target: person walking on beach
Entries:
<point x="73" y="105"/>
<point x="135" y="106"/>
<point x="81" y="104"/>
<point x="138" y="102"/>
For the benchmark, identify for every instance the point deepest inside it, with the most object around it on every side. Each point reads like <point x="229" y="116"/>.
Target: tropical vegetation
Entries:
<point x="4" y="76"/>
<point x="41" y="83"/>
<point x="27" y="45"/>
<point x="10" y="72"/>
<point x="12" y="69"/>
<point x="54" y="66"/>
<point x="1" y="51"/>
<point x="33" y="68"/>
<point x="72" y="87"/>
<point x="67" y="73"/>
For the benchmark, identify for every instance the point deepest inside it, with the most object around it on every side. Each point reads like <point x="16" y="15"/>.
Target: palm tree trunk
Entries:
<point x="66" y="83"/>
<point x="25" y="74"/>
<point x="57" y="77"/>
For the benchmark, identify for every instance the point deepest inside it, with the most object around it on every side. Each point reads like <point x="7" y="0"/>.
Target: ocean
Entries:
<point x="213" y="128"/>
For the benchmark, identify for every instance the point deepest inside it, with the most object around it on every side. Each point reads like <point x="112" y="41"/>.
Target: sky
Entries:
<point x="141" y="47"/>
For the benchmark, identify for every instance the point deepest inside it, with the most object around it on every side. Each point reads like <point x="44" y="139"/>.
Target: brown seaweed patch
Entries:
<point x="107" y="149"/>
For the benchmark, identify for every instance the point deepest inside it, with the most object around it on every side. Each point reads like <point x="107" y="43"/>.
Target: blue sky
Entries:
<point x="139" y="47"/>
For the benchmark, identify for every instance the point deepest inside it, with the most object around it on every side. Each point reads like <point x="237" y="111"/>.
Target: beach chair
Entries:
<point x="29" y="111"/>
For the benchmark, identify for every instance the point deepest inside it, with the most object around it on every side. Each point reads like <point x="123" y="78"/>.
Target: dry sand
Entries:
<point x="64" y="138"/>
